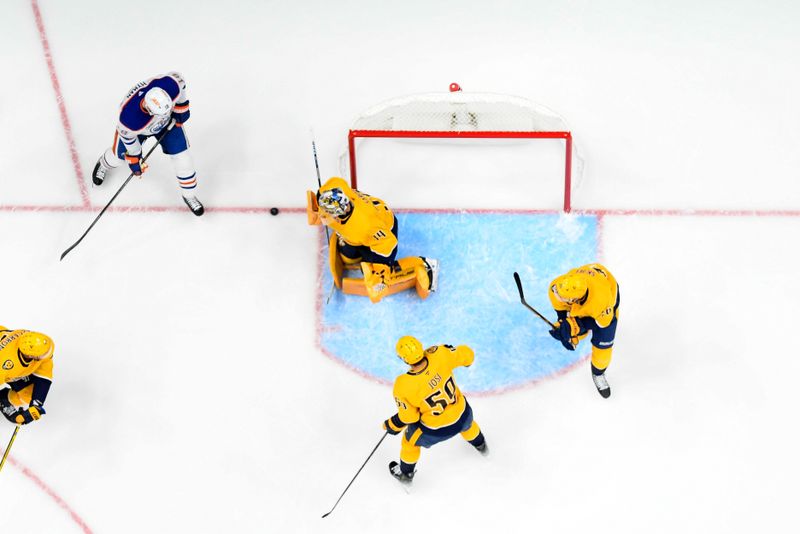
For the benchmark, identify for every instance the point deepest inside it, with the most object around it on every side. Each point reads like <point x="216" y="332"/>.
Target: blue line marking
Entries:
<point x="477" y="303"/>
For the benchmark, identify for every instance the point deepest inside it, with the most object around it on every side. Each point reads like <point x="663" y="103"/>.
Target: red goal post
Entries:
<point x="463" y="115"/>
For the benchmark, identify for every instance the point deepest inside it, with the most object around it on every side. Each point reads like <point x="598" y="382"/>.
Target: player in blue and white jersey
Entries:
<point x="151" y="107"/>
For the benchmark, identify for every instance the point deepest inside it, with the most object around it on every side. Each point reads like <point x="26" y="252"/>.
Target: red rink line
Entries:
<point x="51" y="493"/>
<point x="264" y="209"/>
<point x="618" y="212"/>
<point x="62" y="108"/>
<point x="150" y="209"/>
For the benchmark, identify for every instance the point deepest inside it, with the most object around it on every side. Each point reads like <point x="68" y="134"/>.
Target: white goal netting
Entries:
<point x="484" y="119"/>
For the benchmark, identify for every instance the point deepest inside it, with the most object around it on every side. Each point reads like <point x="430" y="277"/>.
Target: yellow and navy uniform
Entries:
<point x="597" y="311"/>
<point x="369" y="232"/>
<point x="430" y="405"/>
<point x="28" y="379"/>
<point x="365" y="237"/>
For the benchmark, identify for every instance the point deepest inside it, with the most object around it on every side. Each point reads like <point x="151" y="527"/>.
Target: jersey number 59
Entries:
<point x="439" y="399"/>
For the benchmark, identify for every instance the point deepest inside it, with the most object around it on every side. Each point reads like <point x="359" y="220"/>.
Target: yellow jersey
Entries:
<point x="431" y="395"/>
<point x="13" y="366"/>
<point x="369" y="223"/>
<point x="601" y="297"/>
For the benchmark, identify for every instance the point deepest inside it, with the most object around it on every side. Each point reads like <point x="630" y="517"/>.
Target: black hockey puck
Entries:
<point x="274" y="211"/>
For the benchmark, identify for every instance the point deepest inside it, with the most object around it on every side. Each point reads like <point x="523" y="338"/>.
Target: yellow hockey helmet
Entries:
<point x="35" y="346"/>
<point x="570" y="288"/>
<point x="409" y="349"/>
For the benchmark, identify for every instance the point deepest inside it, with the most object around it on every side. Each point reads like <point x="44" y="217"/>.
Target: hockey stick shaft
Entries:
<point x="357" y="472"/>
<point x="8" y="447"/>
<point x="524" y="302"/>
<point x="319" y="179"/>
<point x="144" y="159"/>
<point x="319" y="184"/>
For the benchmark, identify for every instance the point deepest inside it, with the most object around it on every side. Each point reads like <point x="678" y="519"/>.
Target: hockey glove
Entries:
<point x="181" y="113"/>
<point x="567" y="332"/>
<point x="34" y="413"/>
<point x="136" y="164"/>
<point x="9" y="410"/>
<point x="393" y="425"/>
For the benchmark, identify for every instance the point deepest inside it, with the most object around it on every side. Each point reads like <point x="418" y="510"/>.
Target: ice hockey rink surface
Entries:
<point x="197" y="384"/>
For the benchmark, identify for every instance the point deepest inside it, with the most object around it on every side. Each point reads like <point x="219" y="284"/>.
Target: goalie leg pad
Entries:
<point x="312" y="209"/>
<point x="381" y="280"/>
<point x="335" y="260"/>
<point x="427" y="271"/>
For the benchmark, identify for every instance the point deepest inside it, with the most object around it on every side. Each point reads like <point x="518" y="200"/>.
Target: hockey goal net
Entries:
<point x="464" y="115"/>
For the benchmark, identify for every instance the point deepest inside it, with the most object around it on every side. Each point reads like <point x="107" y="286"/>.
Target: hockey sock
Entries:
<point x="407" y="469"/>
<point x="477" y="442"/>
<point x="110" y="159"/>
<point x="596" y="371"/>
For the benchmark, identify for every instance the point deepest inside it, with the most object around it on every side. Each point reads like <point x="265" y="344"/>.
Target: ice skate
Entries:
<point x="195" y="205"/>
<point x="601" y="384"/>
<point x="483" y="448"/>
<point x="433" y="272"/>
<point x="394" y="469"/>
<point x="100" y="170"/>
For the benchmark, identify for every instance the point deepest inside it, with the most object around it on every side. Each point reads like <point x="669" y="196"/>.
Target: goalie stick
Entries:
<point x="319" y="183"/>
<point x="524" y="303"/>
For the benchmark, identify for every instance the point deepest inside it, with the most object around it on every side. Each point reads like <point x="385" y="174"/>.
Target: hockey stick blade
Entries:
<point x="519" y="287"/>
<point x="356" y="475"/>
<point x="525" y="303"/>
<point x="144" y="160"/>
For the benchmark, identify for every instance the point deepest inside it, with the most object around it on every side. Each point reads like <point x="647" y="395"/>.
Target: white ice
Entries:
<point x="189" y="394"/>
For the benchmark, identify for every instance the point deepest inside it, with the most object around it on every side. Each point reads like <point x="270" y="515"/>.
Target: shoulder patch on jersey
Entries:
<point x="8" y="365"/>
<point x="433" y="349"/>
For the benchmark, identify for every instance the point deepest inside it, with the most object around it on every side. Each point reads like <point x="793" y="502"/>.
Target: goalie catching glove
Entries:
<point x="568" y="332"/>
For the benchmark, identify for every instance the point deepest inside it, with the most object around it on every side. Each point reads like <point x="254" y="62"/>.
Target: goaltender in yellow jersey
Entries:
<point x="587" y="299"/>
<point x="430" y="406"/>
<point x="26" y="367"/>
<point x="365" y="237"/>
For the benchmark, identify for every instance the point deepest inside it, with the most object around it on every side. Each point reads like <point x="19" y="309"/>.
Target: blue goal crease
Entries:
<point x="477" y="302"/>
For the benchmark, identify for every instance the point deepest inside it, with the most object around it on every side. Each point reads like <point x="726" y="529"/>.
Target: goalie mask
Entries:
<point x="334" y="202"/>
<point x="157" y="102"/>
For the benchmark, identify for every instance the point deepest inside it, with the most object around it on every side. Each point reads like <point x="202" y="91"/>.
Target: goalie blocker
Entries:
<point x="365" y="239"/>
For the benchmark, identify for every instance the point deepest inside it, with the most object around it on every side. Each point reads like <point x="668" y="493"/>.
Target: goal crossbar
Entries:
<point x="466" y="134"/>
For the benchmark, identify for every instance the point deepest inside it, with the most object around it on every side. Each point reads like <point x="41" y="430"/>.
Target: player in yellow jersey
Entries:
<point x="430" y="406"/>
<point x="365" y="237"/>
<point x="587" y="299"/>
<point x="26" y="367"/>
